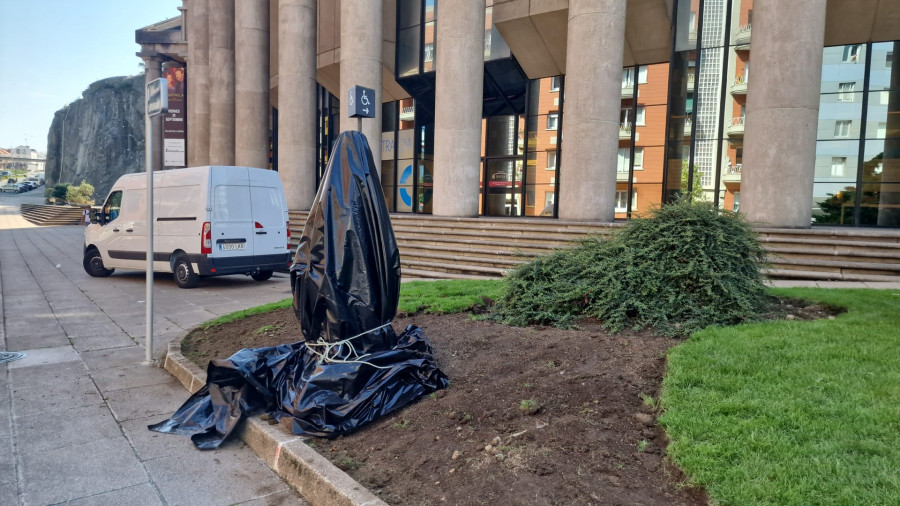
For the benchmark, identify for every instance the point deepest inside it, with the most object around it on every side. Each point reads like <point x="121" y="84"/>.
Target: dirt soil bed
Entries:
<point x="533" y="415"/>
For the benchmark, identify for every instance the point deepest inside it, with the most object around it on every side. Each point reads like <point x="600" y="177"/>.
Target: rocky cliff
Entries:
<point x="100" y="136"/>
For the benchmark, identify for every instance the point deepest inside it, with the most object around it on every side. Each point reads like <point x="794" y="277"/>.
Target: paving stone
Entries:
<point x="7" y="463"/>
<point x="150" y="445"/>
<point x="79" y="425"/>
<point x="143" y="495"/>
<point x="30" y="375"/>
<point x="104" y="341"/>
<point x="141" y="402"/>
<point x="286" y="498"/>
<point x="142" y="375"/>
<point x="9" y="493"/>
<point x="88" y="469"/>
<point x="113" y="357"/>
<point x="53" y="397"/>
<point x="232" y="474"/>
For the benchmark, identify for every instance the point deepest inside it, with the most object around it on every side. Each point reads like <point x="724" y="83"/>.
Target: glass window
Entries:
<point x="622" y="201"/>
<point x="638" y="158"/>
<point x="624" y="161"/>
<point x="880" y="121"/>
<point x="554" y="83"/>
<point x="737" y="202"/>
<point x="889" y="59"/>
<point x="845" y="92"/>
<point x="640" y="116"/>
<point x="551" y="160"/>
<point x="851" y="53"/>
<point x="408" y="52"/>
<point x="842" y="128"/>
<point x="837" y="166"/>
<point x="552" y="121"/>
<point x="410" y="13"/>
<point x="502" y="136"/>
<point x="113" y="206"/>
<point x="642" y="74"/>
<point x="231" y="203"/>
<point x="628" y="77"/>
<point x="429" y="48"/>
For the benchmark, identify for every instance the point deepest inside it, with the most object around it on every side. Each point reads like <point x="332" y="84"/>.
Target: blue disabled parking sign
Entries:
<point x="361" y="102"/>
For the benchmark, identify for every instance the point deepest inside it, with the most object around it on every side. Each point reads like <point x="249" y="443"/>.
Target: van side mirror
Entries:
<point x="97" y="216"/>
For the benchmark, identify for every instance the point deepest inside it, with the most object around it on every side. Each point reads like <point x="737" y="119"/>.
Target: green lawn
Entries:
<point x="792" y="412"/>
<point x="447" y="296"/>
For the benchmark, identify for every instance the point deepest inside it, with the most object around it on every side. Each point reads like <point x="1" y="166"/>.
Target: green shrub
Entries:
<point x="682" y="268"/>
<point x="81" y="194"/>
<point x="61" y="190"/>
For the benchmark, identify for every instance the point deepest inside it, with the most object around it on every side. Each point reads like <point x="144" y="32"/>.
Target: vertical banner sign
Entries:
<point x="174" y="132"/>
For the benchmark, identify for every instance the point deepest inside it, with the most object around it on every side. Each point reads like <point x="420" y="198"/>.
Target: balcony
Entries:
<point x="736" y="128"/>
<point x="687" y="126"/>
<point x="625" y="132"/>
<point x="741" y="38"/>
<point x="622" y="176"/>
<point x="627" y="89"/>
<point x="408" y="113"/>
<point x="739" y="86"/>
<point x="732" y="175"/>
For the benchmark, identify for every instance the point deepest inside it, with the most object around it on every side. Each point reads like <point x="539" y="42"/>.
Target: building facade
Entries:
<point x="571" y="109"/>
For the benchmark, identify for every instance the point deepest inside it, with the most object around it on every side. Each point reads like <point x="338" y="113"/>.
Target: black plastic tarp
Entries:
<point x="351" y="367"/>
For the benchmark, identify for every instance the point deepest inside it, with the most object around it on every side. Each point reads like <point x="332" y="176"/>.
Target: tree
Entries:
<point x="81" y="194"/>
<point x="696" y="192"/>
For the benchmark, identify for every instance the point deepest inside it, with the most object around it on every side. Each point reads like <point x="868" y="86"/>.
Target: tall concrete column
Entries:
<point x="782" y="112"/>
<point x="297" y="101"/>
<point x="590" y="123"/>
<point x="361" y="65"/>
<point x="198" y="83"/>
<point x="251" y="83"/>
<point x="221" y="82"/>
<point x="457" y="107"/>
<point x="152" y="72"/>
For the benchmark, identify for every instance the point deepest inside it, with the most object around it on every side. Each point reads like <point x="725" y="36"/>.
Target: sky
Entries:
<point x="51" y="50"/>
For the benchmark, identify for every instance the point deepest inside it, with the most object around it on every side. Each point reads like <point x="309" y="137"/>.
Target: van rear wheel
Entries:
<point x="261" y="275"/>
<point x="93" y="264"/>
<point x="184" y="275"/>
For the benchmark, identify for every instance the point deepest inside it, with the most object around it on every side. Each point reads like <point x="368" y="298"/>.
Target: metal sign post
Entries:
<point x="156" y="104"/>
<point x="361" y="104"/>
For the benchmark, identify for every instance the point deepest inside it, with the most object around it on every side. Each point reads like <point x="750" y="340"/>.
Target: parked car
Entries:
<point x="27" y="186"/>
<point x="38" y="181"/>
<point x="10" y="188"/>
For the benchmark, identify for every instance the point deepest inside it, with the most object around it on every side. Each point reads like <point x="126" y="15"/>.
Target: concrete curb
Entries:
<point x="319" y="481"/>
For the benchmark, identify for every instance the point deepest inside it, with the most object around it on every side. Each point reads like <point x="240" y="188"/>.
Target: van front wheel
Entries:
<point x="93" y="264"/>
<point x="184" y="275"/>
<point x="261" y="275"/>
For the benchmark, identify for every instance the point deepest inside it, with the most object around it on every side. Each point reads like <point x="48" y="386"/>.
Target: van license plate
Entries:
<point x="231" y="246"/>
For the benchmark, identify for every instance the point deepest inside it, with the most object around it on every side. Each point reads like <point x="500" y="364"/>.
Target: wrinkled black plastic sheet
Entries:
<point x="346" y="285"/>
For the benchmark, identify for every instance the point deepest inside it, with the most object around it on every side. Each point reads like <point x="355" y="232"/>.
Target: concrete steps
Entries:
<point x="52" y="215"/>
<point x="484" y="248"/>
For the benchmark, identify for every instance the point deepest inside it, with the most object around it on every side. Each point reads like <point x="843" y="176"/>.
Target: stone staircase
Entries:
<point x="52" y="215"/>
<point x="485" y="248"/>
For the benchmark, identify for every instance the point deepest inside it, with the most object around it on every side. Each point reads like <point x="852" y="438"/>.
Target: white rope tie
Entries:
<point x="336" y="349"/>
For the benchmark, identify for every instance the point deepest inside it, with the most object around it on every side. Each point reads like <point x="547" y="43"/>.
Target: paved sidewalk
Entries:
<point x="74" y="411"/>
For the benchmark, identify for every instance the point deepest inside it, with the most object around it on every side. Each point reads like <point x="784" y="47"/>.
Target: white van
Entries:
<point x="208" y="221"/>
